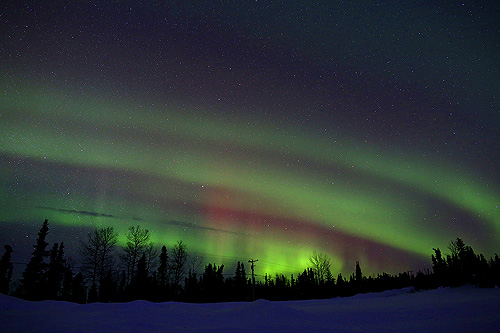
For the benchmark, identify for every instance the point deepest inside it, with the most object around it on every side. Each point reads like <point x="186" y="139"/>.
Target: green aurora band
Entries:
<point x="232" y="189"/>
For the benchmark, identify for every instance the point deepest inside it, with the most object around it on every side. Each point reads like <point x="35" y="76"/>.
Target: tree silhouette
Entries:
<point x="359" y="274"/>
<point x="137" y="243"/>
<point x="279" y="288"/>
<point x="67" y="283"/>
<point x="306" y="284"/>
<point x="97" y="253"/>
<point x="178" y="267"/>
<point x="194" y="261"/>
<point x="6" y="269"/>
<point x="78" y="290"/>
<point x="93" y="294"/>
<point x="213" y="283"/>
<point x="192" y="287"/>
<point x="140" y="285"/>
<point x="122" y="286"/>
<point x="495" y="270"/>
<point x="438" y="264"/>
<point x="240" y="281"/>
<point x="55" y="272"/>
<point x="163" y="268"/>
<point x="33" y="281"/>
<point x="55" y="280"/>
<point x="461" y="266"/>
<point x="320" y="264"/>
<point x="456" y="247"/>
<point x="107" y="288"/>
<point x="151" y="253"/>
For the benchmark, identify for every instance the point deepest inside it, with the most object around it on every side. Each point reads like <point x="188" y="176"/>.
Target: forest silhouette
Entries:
<point x="137" y="270"/>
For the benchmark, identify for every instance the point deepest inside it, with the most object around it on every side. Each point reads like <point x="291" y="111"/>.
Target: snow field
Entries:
<point x="463" y="309"/>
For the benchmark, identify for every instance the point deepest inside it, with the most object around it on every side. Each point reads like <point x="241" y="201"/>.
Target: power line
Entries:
<point x="282" y="266"/>
<point x="291" y="269"/>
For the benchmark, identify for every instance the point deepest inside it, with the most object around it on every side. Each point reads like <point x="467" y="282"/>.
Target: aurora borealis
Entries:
<point x="255" y="129"/>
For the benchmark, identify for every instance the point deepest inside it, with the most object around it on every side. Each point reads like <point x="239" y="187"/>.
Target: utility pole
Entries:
<point x="253" y="277"/>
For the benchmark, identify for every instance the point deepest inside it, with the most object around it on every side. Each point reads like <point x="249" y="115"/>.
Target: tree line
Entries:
<point x="112" y="273"/>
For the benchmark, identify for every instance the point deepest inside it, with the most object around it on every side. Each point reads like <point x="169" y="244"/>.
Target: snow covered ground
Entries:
<point x="461" y="309"/>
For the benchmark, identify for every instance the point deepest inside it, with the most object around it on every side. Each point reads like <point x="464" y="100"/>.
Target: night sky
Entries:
<point x="365" y="130"/>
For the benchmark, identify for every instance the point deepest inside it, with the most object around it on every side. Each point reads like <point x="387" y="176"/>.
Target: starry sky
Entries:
<point x="366" y="130"/>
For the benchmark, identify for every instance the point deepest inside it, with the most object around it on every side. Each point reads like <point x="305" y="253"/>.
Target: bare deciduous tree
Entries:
<point x="151" y="253"/>
<point x="320" y="264"/>
<point x="195" y="261"/>
<point x="137" y="244"/>
<point x="97" y="252"/>
<point x="178" y="266"/>
<point x="456" y="247"/>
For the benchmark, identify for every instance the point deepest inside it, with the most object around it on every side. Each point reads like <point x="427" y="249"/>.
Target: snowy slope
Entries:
<point x="461" y="309"/>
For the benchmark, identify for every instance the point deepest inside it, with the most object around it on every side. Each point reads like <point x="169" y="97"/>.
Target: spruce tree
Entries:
<point x="67" y="283"/>
<point x="358" y="282"/>
<point x="359" y="275"/>
<point x="192" y="288"/>
<point x="163" y="268"/>
<point x="213" y="283"/>
<point x="107" y="288"/>
<point x="33" y="281"/>
<point x="237" y="273"/>
<point x="55" y="273"/>
<point x="78" y="290"/>
<point x="140" y="282"/>
<point x="240" y="281"/>
<point x="6" y="269"/>
<point x="93" y="294"/>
